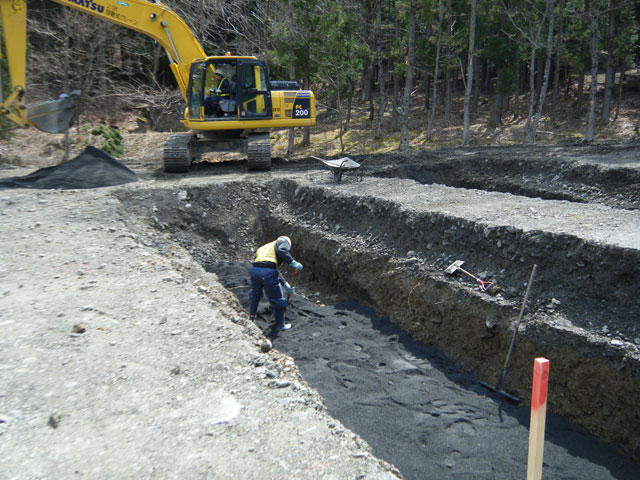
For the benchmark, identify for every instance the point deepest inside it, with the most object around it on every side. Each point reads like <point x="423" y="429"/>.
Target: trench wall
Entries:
<point x="392" y="260"/>
<point x="592" y="281"/>
<point x="544" y="174"/>
<point x="362" y="246"/>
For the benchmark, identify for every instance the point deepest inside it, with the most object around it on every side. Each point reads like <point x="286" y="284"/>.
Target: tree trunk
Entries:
<point x="469" y="82"/>
<point x="496" y="114"/>
<point x="365" y="83"/>
<point x="434" y="101"/>
<point x="406" y="101"/>
<point x="448" y="94"/>
<point x="522" y="77"/>
<point x="477" y="70"/>
<point x="533" y="38"/>
<point x="608" y="80"/>
<point x="382" y="99"/>
<point x="619" y="99"/>
<point x="486" y="77"/>
<point x="426" y="79"/>
<point x="158" y="51"/>
<point x="372" y="90"/>
<point x="101" y="74"/>
<point x="306" y="139"/>
<point x="580" y="92"/>
<point x="539" y="75"/>
<point x="292" y="73"/>
<point x="395" y="109"/>
<point x="347" y="125"/>
<point x="556" y="73"/>
<point x="65" y="60"/>
<point x="589" y="132"/>
<point x="547" y="72"/>
<point x="532" y="91"/>
<point x="396" y="80"/>
<point x="340" y="115"/>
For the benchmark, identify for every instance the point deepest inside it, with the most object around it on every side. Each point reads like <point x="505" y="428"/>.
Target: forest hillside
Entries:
<point x="387" y="74"/>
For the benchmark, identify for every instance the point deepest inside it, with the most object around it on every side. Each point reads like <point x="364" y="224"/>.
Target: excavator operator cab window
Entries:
<point x="219" y="91"/>
<point x="254" y="97"/>
<point x="196" y="84"/>
<point x="212" y="97"/>
<point x="242" y="92"/>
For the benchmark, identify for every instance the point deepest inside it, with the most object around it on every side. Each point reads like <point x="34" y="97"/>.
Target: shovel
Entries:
<point x="455" y="266"/>
<point x="293" y="281"/>
<point x="496" y="389"/>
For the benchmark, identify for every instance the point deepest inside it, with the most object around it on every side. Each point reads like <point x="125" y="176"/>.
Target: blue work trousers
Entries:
<point x="267" y="279"/>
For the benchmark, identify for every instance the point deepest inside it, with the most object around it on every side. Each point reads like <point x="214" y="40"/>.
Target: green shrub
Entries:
<point x="7" y="128"/>
<point x="112" y="144"/>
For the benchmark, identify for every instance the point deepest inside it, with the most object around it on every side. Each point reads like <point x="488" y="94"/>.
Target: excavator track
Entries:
<point x="259" y="151"/>
<point x="177" y="153"/>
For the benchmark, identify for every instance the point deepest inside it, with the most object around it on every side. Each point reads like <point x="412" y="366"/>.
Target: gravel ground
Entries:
<point x="121" y="362"/>
<point x="120" y="347"/>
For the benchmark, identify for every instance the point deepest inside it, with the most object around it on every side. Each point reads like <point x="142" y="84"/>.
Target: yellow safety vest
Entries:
<point x="267" y="253"/>
<point x="222" y="94"/>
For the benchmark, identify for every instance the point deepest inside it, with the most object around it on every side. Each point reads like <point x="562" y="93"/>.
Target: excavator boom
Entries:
<point x="153" y="19"/>
<point x="150" y="18"/>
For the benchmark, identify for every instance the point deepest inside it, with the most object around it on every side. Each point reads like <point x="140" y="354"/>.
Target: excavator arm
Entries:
<point x="151" y="18"/>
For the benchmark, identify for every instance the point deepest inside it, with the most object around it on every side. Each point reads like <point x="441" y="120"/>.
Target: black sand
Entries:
<point x="91" y="169"/>
<point x="415" y="407"/>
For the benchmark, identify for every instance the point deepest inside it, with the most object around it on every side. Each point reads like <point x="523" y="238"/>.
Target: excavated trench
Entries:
<point x="375" y="253"/>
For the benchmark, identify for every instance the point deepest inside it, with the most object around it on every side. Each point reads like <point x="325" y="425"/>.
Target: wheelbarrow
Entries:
<point x="340" y="166"/>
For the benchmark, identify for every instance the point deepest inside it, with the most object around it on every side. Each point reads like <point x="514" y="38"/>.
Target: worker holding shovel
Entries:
<point x="265" y="276"/>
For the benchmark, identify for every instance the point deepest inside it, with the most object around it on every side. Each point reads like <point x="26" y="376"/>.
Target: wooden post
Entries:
<point x="538" y="418"/>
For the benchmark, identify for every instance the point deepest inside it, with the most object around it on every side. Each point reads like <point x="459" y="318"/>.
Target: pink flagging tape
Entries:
<point x="538" y="418"/>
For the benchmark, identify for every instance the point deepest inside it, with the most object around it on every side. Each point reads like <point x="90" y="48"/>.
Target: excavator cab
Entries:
<point x="223" y="89"/>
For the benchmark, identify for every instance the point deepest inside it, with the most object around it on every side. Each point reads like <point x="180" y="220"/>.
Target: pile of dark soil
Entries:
<point x="412" y="404"/>
<point x="91" y="169"/>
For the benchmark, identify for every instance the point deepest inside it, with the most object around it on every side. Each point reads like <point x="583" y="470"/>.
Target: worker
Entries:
<point x="265" y="276"/>
<point x="220" y="91"/>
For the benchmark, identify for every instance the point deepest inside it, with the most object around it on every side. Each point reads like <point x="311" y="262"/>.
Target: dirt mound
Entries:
<point x="91" y="169"/>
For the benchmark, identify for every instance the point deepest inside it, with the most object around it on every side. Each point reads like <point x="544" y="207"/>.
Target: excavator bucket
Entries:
<point x="53" y="116"/>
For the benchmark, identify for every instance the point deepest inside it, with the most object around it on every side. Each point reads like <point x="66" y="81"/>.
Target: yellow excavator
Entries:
<point x="225" y="113"/>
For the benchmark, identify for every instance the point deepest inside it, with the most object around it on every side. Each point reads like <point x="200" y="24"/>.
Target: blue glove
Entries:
<point x="296" y="265"/>
<point x="288" y="287"/>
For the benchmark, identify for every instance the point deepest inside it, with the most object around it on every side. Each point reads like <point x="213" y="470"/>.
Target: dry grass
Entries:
<point x="33" y="148"/>
<point x="360" y="138"/>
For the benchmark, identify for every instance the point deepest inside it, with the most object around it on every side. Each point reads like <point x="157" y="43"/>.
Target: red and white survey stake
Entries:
<point x="538" y="417"/>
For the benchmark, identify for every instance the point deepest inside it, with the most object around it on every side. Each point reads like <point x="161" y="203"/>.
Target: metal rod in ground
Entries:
<point x="293" y="281"/>
<point x="513" y="398"/>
